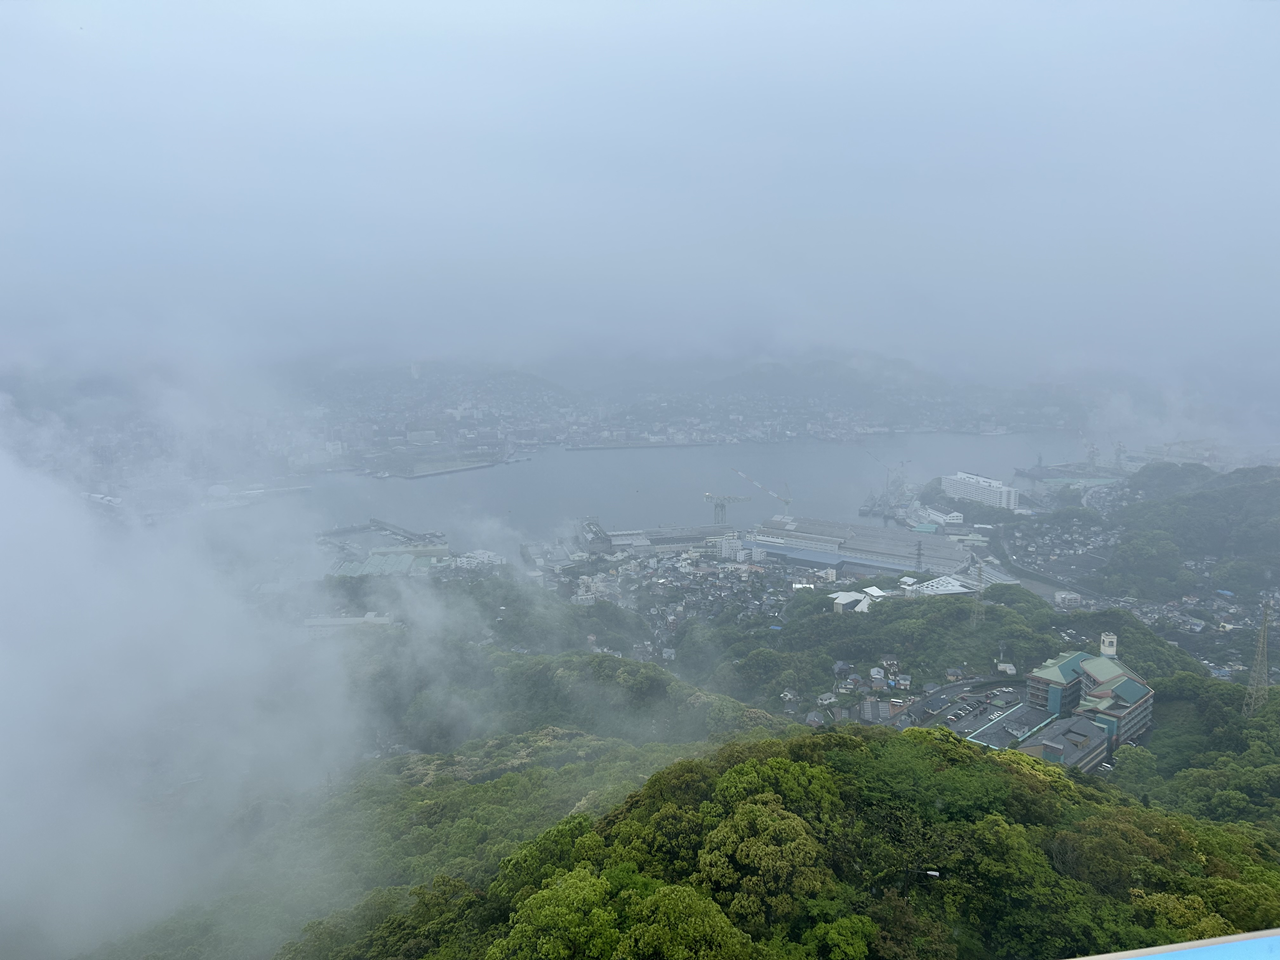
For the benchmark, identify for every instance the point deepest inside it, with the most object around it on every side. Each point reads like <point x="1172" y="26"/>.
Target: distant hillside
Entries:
<point x="1231" y="516"/>
<point x="1160" y="481"/>
<point x="433" y="687"/>
<point x="756" y="660"/>
<point x="1192" y="529"/>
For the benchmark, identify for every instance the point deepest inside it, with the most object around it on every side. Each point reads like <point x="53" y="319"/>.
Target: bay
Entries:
<point x="537" y="499"/>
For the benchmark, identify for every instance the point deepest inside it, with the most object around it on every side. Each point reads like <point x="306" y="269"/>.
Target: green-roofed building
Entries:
<point x="1102" y="689"/>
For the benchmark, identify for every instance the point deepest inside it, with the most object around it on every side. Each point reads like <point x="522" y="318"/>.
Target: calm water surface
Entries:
<point x="539" y="498"/>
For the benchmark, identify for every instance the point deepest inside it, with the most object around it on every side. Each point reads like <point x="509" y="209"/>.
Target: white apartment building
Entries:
<point x="970" y="486"/>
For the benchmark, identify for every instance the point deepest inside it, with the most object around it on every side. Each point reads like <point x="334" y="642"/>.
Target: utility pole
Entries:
<point x="979" y="611"/>
<point x="1255" y="699"/>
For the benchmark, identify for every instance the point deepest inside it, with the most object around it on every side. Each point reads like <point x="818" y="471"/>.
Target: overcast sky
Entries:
<point x="514" y="180"/>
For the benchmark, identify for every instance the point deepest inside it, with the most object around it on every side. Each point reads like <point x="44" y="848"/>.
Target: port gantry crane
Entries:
<point x="786" y="501"/>
<point x="722" y="500"/>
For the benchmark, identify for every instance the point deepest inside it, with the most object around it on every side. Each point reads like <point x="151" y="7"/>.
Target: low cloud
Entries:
<point x="147" y="707"/>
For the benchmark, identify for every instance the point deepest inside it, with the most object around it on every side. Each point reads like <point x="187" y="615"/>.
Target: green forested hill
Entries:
<point x="1237" y="516"/>
<point x="485" y="785"/>
<point x="753" y="662"/>
<point x="1204" y="757"/>
<point x="395" y="823"/>
<point x="1189" y="512"/>
<point x="509" y="742"/>
<point x="880" y="845"/>
<point x="472" y="693"/>
<point x="499" y="659"/>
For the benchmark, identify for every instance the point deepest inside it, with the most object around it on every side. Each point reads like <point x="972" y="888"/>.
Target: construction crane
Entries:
<point x="1255" y="698"/>
<point x="786" y="501"/>
<point x="722" y="500"/>
<point x="895" y="484"/>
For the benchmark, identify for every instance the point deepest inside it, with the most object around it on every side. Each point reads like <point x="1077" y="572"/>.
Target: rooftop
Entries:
<point x="1063" y="668"/>
<point x="1075" y="737"/>
<point x="1014" y="725"/>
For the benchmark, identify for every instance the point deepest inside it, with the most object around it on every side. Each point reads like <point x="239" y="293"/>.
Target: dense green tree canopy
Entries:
<point x="840" y="846"/>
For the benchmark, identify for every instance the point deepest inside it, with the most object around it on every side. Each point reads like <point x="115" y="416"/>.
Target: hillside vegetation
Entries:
<point x="878" y="845"/>
<point x="1204" y="757"/>
<point x="1190" y="513"/>
<point x="399" y="822"/>
<point x="488" y="748"/>
<point x="753" y="662"/>
<point x="814" y="846"/>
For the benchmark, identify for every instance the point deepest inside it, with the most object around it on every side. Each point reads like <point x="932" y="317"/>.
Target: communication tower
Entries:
<point x="1255" y="699"/>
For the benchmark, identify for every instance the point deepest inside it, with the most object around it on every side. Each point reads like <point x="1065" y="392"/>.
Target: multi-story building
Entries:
<point x="1072" y="742"/>
<point x="1100" y="689"/>
<point x="970" y="486"/>
<point x="729" y="548"/>
<point x="1067" y="600"/>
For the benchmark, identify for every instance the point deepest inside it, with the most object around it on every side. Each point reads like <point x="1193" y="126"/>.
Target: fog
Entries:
<point x="198" y="201"/>
<point x="147" y="710"/>
<point x="1053" y="184"/>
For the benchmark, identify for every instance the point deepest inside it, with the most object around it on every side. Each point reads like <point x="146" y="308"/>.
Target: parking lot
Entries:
<point x="972" y="711"/>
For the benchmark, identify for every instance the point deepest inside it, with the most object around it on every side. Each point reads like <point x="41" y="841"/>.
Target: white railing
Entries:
<point x="1259" y="945"/>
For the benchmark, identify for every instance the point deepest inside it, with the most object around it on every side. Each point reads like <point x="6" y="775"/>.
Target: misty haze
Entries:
<point x="630" y="481"/>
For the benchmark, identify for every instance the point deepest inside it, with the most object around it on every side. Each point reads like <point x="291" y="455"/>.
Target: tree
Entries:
<point x="566" y="920"/>
<point x="1135" y="769"/>
<point x="844" y="939"/>
<point x="760" y="862"/>
<point x="678" y="923"/>
<point x="1179" y="919"/>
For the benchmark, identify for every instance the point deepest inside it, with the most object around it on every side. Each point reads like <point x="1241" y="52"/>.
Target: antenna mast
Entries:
<point x="1255" y="700"/>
